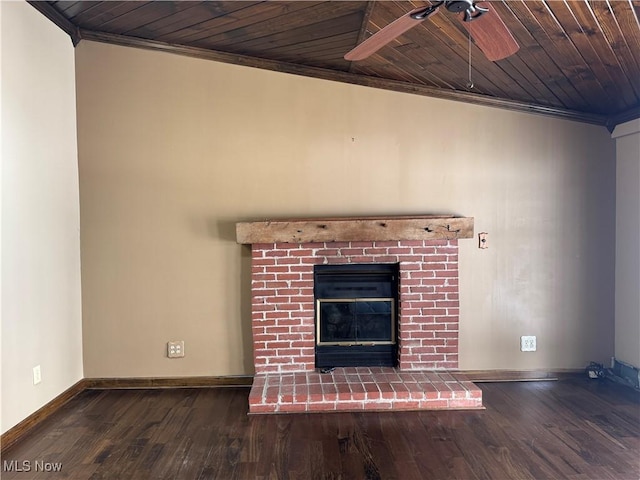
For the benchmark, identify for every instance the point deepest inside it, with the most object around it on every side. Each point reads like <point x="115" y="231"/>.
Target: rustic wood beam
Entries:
<point x="423" y="227"/>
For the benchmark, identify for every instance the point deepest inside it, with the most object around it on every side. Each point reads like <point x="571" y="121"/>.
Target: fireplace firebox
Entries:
<point x="356" y="310"/>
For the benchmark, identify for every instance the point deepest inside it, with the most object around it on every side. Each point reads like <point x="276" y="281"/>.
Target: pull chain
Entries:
<point x="470" y="82"/>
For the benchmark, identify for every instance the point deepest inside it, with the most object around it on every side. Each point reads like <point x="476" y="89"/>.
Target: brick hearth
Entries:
<point x="283" y="330"/>
<point x="362" y="388"/>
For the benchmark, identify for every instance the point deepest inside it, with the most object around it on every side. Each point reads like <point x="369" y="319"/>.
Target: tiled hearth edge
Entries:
<point x="283" y="302"/>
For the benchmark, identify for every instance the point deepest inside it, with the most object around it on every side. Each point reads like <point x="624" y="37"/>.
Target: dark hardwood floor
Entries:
<point x="574" y="428"/>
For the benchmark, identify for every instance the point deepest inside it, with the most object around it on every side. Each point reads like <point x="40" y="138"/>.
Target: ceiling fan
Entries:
<point x="484" y="25"/>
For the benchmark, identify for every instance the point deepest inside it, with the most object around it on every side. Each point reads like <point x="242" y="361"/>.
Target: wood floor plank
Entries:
<point x="574" y="428"/>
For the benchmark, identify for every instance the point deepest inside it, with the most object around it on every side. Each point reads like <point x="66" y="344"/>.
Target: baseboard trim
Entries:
<point x="486" y="376"/>
<point x="168" y="382"/>
<point x="15" y="433"/>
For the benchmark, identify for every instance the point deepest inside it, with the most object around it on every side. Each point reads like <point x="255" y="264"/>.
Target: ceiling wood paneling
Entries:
<point x="578" y="59"/>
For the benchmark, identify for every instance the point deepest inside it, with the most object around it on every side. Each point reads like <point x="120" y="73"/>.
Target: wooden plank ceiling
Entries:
<point x="578" y="59"/>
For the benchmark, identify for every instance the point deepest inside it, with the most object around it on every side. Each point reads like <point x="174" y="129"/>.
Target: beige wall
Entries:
<point x="174" y="150"/>
<point x="627" y="329"/>
<point x="41" y="311"/>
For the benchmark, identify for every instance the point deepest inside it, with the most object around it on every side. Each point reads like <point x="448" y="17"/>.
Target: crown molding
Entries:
<point x="615" y="121"/>
<point x="343" y="77"/>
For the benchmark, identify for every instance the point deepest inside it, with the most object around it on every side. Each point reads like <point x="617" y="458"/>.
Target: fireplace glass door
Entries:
<point x="355" y="321"/>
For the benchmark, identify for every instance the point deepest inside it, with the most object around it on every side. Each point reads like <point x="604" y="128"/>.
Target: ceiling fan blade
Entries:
<point x="490" y="34"/>
<point x="392" y="31"/>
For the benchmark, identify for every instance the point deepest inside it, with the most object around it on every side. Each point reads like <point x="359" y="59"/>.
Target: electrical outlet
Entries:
<point x="175" y="349"/>
<point x="37" y="375"/>
<point x="528" y="343"/>
<point x="483" y="240"/>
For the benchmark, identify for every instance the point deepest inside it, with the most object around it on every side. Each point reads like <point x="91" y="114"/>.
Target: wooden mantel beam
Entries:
<point x="421" y="227"/>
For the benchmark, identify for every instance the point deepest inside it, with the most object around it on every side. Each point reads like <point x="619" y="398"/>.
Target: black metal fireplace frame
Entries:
<point x="357" y="282"/>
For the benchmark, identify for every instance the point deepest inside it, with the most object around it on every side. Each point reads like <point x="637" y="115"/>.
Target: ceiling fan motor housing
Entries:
<point x="459" y="6"/>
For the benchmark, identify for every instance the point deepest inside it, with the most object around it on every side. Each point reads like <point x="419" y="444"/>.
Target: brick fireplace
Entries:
<point x="283" y="318"/>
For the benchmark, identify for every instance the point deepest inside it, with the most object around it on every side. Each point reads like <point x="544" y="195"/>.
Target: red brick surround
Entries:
<point x="283" y="304"/>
